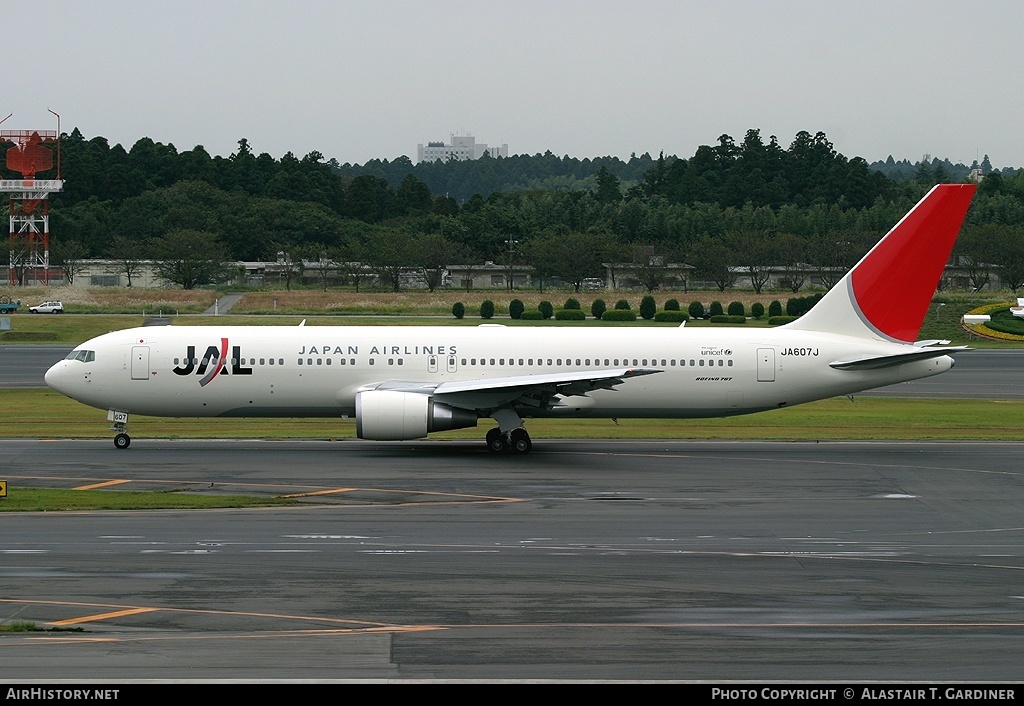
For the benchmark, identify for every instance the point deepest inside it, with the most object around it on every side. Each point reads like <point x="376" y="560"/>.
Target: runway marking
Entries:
<point x="103" y="616"/>
<point x="104" y="484"/>
<point x="122" y="610"/>
<point x="313" y="493"/>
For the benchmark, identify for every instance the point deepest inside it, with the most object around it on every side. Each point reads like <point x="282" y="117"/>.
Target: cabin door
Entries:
<point x="140" y="362"/>
<point x="766" y="365"/>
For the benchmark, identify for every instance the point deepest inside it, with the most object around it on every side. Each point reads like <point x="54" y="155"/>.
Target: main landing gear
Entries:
<point x="516" y="441"/>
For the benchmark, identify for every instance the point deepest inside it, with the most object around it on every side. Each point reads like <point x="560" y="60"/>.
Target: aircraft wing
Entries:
<point x="535" y="391"/>
<point x="885" y="361"/>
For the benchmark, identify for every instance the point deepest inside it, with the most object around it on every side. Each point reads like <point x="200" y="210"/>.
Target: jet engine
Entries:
<point x="391" y="415"/>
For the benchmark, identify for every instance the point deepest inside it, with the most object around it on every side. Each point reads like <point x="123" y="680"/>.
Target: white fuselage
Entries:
<point x="186" y="371"/>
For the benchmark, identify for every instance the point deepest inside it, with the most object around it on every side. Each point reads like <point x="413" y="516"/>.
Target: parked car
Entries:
<point x="47" y="308"/>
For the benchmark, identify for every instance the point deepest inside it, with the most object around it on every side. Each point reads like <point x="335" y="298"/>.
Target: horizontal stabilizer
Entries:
<point x="887" y="361"/>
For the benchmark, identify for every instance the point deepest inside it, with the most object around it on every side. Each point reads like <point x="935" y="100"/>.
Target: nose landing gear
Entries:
<point x="120" y="425"/>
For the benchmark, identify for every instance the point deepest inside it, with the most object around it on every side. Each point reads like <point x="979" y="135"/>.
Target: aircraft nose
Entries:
<point x="54" y="376"/>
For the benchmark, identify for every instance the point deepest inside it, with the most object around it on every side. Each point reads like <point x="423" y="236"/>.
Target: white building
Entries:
<point x="462" y="147"/>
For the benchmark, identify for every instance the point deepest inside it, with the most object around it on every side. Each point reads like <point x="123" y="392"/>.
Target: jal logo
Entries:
<point x="213" y="363"/>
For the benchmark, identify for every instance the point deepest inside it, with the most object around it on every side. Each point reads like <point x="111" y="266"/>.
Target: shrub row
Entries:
<point x="795" y="306"/>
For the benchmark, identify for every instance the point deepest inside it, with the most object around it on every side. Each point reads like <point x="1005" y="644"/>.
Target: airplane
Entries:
<point x="405" y="382"/>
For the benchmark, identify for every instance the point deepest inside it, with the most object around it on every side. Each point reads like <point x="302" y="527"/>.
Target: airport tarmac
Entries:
<point x="690" y="561"/>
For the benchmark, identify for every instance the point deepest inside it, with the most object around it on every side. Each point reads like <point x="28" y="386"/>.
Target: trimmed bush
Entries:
<point x="775" y="308"/>
<point x="622" y="304"/>
<point x="716" y="309"/>
<point x="458" y="310"/>
<point x="648" y="307"/>
<point x="779" y="320"/>
<point x="696" y="310"/>
<point x="486" y="309"/>
<point x="1004" y="321"/>
<point x="598" y="308"/>
<point x="726" y="319"/>
<point x="672" y="305"/>
<point x="570" y="315"/>
<point x="571" y="303"/>
<point x="737" y="309"/>
<point x="516" y="308"/>
<point x="757" y="310"/>
<point x="546" y="310"/>
<point x="619" y="315"/>
<point x="671" y="315"/>
<point x="797" y="306"/>
<point x="532" y="315"/>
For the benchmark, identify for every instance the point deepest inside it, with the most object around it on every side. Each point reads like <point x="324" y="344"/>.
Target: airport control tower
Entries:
<point x="31" y="153"/>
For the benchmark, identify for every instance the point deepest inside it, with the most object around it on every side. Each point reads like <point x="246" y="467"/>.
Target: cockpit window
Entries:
<point x="82" y="356"/>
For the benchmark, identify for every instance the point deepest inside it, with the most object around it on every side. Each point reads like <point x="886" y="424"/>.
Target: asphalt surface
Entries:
<point x="622" y="560"/>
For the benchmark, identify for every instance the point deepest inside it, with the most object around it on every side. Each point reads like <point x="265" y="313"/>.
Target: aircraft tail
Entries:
<point x="887" y="294"/>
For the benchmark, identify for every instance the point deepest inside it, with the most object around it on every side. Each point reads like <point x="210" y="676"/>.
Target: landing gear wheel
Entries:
<point x="496" y="441"/>
<point x="521" y="443"/>
<point x="122" y="441"/>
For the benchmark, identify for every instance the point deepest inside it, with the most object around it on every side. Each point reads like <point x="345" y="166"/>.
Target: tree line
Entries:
<point x="753" y="204"/>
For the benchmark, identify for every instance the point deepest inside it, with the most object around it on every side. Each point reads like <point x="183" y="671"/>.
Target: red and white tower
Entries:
<point x="31" y="154"/>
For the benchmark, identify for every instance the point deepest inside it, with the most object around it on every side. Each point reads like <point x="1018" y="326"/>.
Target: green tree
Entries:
<point x="432" y="253"/>
<point x="69" y="256"/>
<point x="608" y="189"/>
<point x="486" y="309"/>
<point x="190" y="258"/>
<point x="573" y="256"/>
<point x="648" y="307"/>
<point x="390" y="253"/>
<point x="516" y="308"/>
<point x="712" y="260"/>
<point x="127" y="256"/>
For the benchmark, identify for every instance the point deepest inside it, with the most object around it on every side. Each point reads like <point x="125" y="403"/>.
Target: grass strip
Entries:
<point x="45" y="414"/>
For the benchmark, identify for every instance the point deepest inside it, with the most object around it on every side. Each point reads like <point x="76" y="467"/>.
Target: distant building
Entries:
<point x="462" y="148"/>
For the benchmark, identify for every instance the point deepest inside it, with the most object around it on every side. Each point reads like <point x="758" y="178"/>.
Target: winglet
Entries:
<point x="887" y="294"/>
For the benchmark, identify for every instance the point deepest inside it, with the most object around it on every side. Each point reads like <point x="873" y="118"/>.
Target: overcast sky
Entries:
<point x="358" y="80"/>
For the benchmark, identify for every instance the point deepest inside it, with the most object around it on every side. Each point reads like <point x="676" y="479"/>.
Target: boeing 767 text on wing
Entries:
<point x="406" y="382"/>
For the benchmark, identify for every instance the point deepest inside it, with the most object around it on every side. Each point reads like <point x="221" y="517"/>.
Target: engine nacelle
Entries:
<point x="390" y="415"/>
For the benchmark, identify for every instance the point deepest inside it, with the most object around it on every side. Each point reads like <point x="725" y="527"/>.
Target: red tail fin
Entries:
<point x="887" y="294"/>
